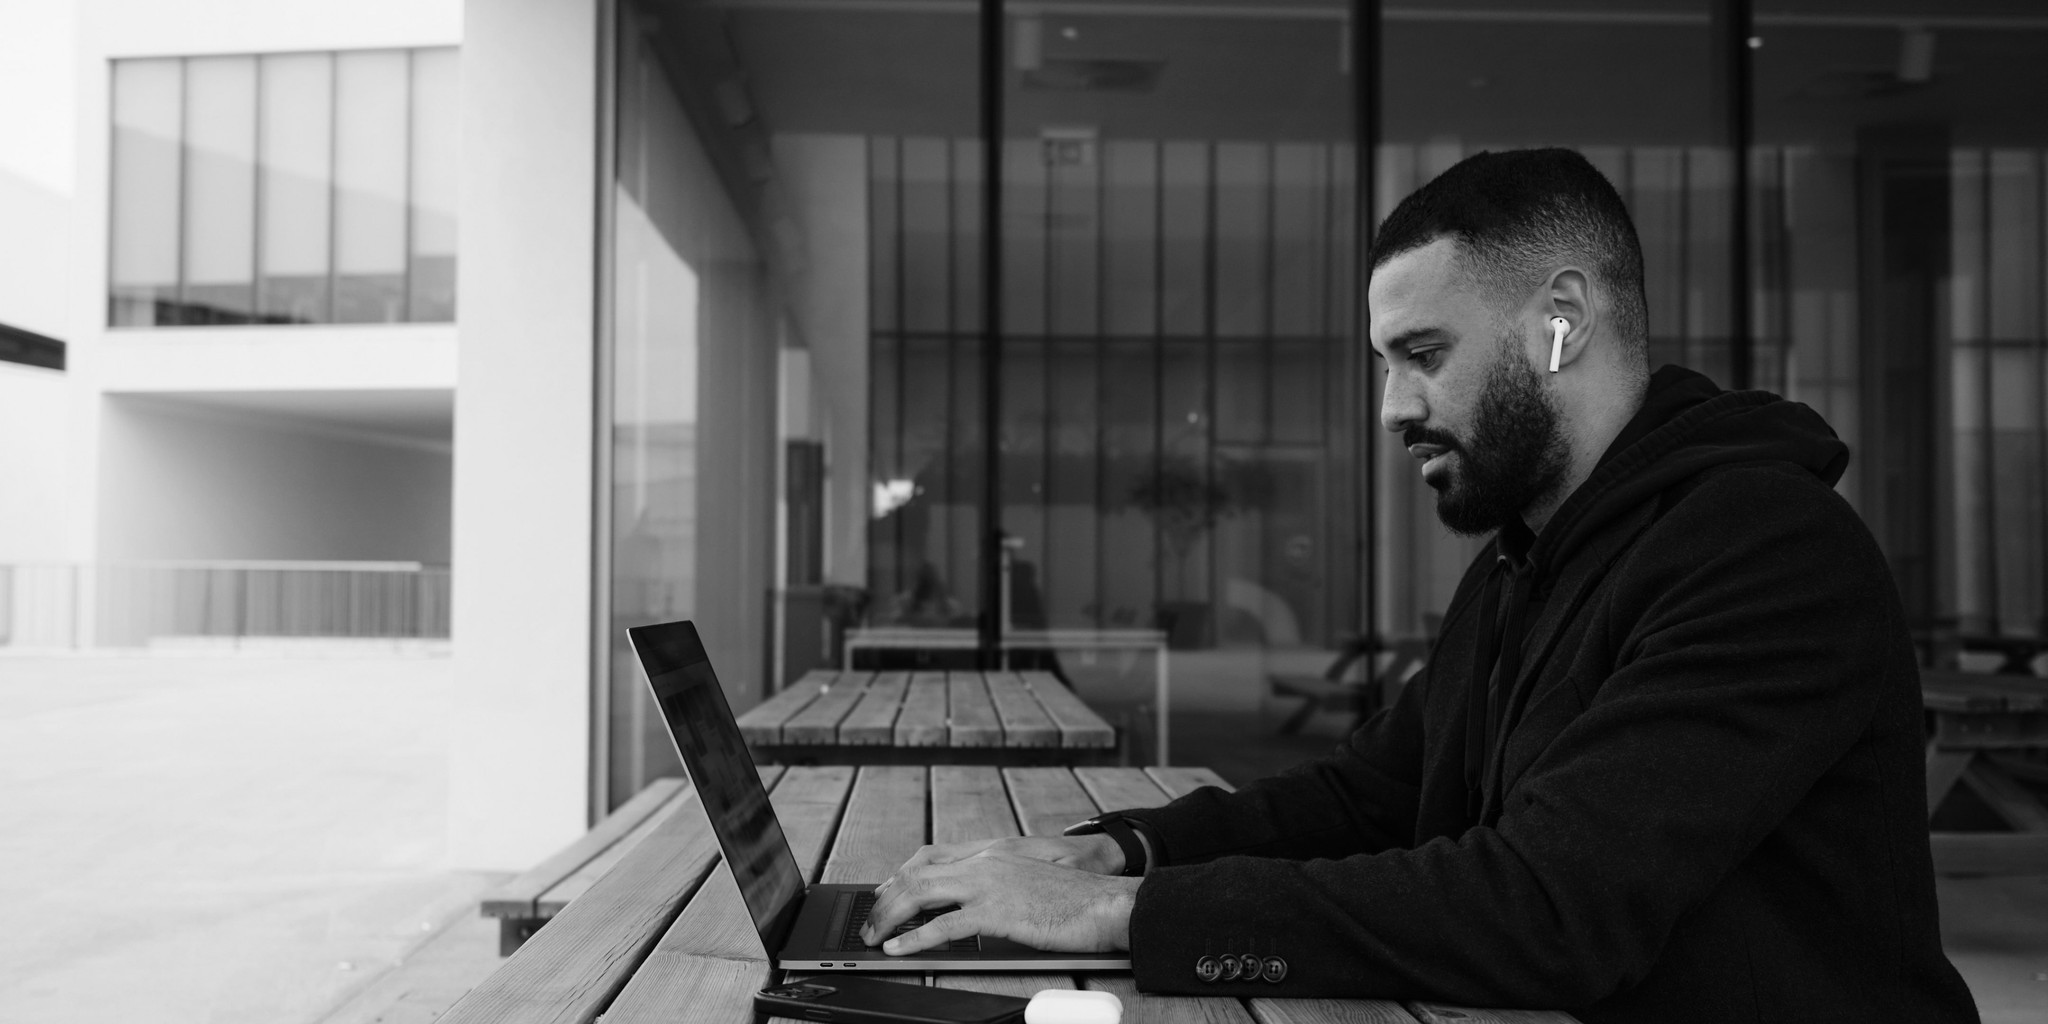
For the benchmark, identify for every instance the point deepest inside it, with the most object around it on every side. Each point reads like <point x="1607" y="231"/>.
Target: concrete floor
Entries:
<point x="229" y="839"/>
<point x="217" y="840"/>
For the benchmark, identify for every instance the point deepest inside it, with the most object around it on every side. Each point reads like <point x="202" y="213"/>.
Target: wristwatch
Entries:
<point x="1117" y="827"/>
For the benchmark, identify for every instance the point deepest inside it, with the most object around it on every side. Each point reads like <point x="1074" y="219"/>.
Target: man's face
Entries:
<point x="1463" y="393"/>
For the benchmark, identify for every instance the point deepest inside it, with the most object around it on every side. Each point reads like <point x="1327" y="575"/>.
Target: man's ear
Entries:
<point x="1569" y="294"/>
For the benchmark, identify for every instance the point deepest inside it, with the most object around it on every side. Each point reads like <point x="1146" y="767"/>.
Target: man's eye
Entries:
<point x="1427" y="358"/>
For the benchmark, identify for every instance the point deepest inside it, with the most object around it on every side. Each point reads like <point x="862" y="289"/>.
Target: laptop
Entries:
<point x="807" y="928"/>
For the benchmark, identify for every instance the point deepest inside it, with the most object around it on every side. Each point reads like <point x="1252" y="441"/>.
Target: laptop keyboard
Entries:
<point x="863" y="902"/>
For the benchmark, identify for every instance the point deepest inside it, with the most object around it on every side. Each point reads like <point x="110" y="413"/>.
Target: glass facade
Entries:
<point x="284" y="189"/>
<point x="1166" y="392"/>
<point x="689" y="378"/>
<point x="1901" y="272"/>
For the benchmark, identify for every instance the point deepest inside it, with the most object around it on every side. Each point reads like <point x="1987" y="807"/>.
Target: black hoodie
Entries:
<point x="1705" y="799"/>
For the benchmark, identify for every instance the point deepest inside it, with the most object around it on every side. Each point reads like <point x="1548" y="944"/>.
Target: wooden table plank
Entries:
<point x="1440" y="1013"/>
<point x="1140" y="1008"/>
<point x="1178" y="782"/>
<point x="1047" y="799"/>
<point x="1329" y="1011"/>
<point x="922" y="722"/>
<point x="819" y="722"/>
<point x="1121" y="789"/>
<point x="2006" y="797"/>
<point x="970" y="802"/>
<point x="1944" y="769"/>
<point x="1943" y="690"/>
<point x="1989" y="853"/>
<point x="763" y="722"/>
<point x="710" y="963"/>
<point x="808" y="802"/>
<point x="1079" y="725"/>
<point x="1023" y="986"/>
<point x="883" y="825"/>
<point x="873" y="720"/>
<point x="1025" y="721"/>
<point x="971" y="721"/>
<point x="569" y="970"/>
<point x="578" y="882"/>
<point x="520" y="896"/>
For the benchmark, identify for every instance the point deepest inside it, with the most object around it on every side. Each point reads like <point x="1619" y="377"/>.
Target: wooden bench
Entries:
<point x="664" y="936"/>
<point x="525" y="903"/>
<point x="1983" y="725"/>
<point x="1337" y="690"/>
<point x="999" y="718"/>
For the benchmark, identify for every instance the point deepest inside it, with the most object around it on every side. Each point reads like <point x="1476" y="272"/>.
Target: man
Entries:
<point x="1665" y="764"/>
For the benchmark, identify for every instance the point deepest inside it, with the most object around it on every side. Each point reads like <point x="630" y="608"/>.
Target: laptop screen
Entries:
<point x="701" y="722"/>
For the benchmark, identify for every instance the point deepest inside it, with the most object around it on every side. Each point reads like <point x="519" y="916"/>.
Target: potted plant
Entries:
<point x="1185" y="500"/>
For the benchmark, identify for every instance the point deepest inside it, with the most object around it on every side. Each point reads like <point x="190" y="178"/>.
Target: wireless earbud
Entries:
<point x="1558" y="327"/>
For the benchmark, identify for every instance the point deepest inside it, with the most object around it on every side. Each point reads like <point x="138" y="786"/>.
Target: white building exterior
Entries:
<point x="323" y="442"/>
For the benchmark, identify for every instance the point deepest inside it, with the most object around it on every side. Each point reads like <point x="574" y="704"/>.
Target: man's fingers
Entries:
<point x="912" y="892"/>
<point x="936" y="932"/>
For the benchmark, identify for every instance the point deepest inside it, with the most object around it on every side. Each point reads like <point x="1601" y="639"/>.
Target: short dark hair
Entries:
<point x="1519" y="214"/>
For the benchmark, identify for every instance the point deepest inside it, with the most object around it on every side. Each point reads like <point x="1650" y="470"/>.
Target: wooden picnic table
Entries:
<point x="1000" y="718"/>
<point x="1984" y="728"/>
<point x="1013" y="642"/>
<point x="662" y="936"/>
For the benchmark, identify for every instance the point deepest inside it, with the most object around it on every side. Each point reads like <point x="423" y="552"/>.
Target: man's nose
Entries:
<point x="1400" y="405"/>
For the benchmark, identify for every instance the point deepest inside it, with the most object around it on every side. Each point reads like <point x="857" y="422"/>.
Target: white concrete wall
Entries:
<point x="419" y="356"/>
<point x="519" y="759"/>
<point x="146" y="28"/>
<point x="35" y="439"/>
<point x="35" y="252"/>
<point x="180" y="482"/>
<point x="323" y="357"/>
<point x="827" y="179"/>
<point x="34" y="464"/>
<point x="37" y="40"/>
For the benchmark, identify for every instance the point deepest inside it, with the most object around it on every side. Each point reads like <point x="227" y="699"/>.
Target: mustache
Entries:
<point x="1424" y="435"/>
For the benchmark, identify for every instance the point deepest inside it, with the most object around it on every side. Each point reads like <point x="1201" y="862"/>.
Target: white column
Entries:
<point x="520" y="758"/>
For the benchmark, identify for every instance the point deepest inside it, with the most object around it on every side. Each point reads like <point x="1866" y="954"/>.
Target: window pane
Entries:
<point x="220" y="190"/>
<point x="144" y="261"/>
<point x="1899" y="179"/>
<point x="436" y="131"/>
<point x="298" y="148"/>
<point x="369" y="173"/>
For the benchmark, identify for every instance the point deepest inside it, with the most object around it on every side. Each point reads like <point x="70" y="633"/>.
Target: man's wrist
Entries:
<point x="1135" y="851"/>
<point x="1107" y="854"/>
<point x="1116" y="908"/>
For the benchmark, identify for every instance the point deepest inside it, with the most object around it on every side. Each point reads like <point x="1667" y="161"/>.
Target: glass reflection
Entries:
<point x="1901" y="181"/>
<point x="297" y="133"/>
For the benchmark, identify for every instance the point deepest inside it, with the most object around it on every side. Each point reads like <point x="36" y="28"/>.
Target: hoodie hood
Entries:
<point x="1686" y="427"/>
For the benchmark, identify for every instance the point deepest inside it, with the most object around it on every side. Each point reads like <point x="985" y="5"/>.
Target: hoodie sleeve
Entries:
<point x="1360" y="796"/>
<point x="1753" y="626"/>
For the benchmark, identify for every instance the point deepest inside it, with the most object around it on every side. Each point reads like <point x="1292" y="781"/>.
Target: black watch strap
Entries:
<point x="1118" y="829"/>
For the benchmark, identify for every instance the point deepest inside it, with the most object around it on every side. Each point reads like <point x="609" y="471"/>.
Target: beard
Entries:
<point x="1515" y="457"/>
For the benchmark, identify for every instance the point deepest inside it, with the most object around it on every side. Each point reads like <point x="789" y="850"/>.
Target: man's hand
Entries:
<point x="1033" y="900"/>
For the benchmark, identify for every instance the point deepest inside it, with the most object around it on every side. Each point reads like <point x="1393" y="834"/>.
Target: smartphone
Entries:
<point x="859" y="1000"/>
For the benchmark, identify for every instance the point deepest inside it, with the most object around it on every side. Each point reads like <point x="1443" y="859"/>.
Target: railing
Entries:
<point x="144" y="604"/>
